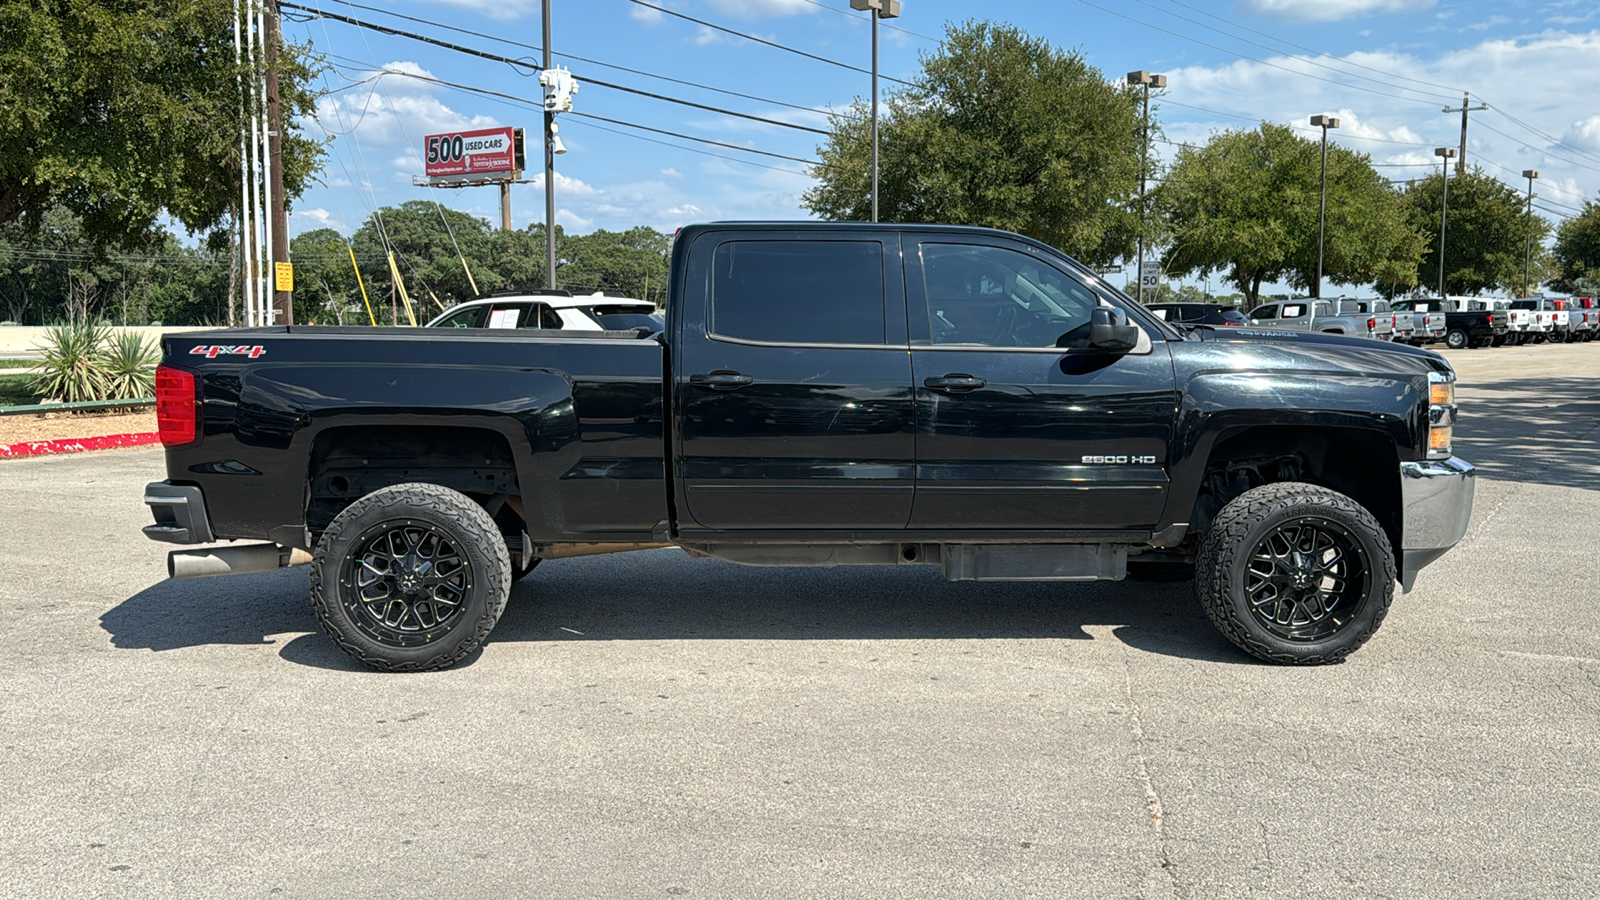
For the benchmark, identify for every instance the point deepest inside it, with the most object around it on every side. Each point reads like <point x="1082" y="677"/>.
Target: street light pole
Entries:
<point x="1445" y="154"/>
<point x="1325" y="122"/>
<point x="1147" y="81"/>
<point x="878" y="9"/>
<point x="1527" y="256"/>
<point x="549" y="172"/>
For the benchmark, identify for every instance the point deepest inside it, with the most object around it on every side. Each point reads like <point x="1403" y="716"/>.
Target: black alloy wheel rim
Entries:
<point x="1306" y="580"/>
<point x="405" y="583"/>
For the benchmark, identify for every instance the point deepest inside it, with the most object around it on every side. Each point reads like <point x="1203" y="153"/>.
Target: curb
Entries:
<point x="76" y="445"/>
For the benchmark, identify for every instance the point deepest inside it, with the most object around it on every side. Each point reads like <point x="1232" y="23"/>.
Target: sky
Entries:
<point x="1387" y="69"/>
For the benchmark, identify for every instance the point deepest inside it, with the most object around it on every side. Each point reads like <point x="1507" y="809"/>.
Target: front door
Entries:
<point x="1019" y="424"/>
<point x="793" y="383"/>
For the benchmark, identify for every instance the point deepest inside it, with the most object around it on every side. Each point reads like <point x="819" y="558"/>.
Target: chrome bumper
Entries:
<point x="1437" y="496"/>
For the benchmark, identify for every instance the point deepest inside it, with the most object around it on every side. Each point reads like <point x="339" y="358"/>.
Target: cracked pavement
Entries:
<point x="655" y="725"/>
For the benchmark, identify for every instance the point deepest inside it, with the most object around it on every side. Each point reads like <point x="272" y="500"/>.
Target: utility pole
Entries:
<point x="1444" y="154"/>
<point x="878" y="9"/>
<point x="1466" y="107"/>
<point x="282" y="298"/>
<point x="1527" y="256"/>
<point x="549" y="171"/>
<point x="1147" y="81"/>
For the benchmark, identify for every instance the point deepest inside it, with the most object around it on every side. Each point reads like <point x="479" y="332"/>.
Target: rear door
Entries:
<point x="792" y="382"/>
<point x="1019" y="425"/>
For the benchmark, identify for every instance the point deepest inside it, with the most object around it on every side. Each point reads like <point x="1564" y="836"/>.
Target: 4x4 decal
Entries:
<point x="212" y="351"/>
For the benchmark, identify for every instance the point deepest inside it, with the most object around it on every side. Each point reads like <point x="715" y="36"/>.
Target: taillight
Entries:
<point x="177" y="406"/>
<point x="1372" y="324"/>
<point x="1489" y="318"/>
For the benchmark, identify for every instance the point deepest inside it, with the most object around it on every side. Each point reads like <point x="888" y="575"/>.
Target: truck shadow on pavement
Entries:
<point x="665" y="595"/>
<point x="1544" y="431"/>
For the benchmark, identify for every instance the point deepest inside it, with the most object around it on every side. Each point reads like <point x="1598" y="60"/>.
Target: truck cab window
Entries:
<point x="998" y="297"/>
<point x="799" y="292"/>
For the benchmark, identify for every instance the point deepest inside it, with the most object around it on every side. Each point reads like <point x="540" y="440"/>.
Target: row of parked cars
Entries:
<point x="1457" y="322"/>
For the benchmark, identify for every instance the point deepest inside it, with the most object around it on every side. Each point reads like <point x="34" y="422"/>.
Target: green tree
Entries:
<point x="1000" y="129"/>
<point x="122" y="110"/>
<point x="1487" y="232"/>
<point x="325" y="289"/>
<point x="1577" y="251"/>
<point x="633" y="262"/>
<point x="1247" y="204"/>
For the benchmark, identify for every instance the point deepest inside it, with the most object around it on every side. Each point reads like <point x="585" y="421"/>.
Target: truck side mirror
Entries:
<point x="1109" y="330"/>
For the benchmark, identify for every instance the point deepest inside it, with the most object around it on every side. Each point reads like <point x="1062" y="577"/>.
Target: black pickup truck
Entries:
<point x="823" y="394"/>
<point x="1464" y="329"/>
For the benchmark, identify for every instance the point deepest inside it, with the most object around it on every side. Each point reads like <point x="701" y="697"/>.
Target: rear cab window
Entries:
<point x="799" y="292"/>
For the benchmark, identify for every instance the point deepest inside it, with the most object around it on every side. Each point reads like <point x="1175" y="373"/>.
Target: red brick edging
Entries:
<point x="74" y="445"/>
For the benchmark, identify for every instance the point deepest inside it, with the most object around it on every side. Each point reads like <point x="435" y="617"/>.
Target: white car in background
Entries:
<point x="552" y="310"/>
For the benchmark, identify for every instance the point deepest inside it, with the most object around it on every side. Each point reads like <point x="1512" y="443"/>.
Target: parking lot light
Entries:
<point x="1527" y="256"/>
<point x="1325" y="122"/>
<point x="1147" y="81"/>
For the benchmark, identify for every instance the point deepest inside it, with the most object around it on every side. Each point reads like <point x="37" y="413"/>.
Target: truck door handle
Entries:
<point x="721" y="380"/>
<point x="954" y="384"/>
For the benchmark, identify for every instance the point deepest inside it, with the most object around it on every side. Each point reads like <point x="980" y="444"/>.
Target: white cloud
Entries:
<point x="687" y="209"/>
<point x="649" y="15"/>
<point x="322" y="217"/>
<point x="497" y="9"/>
<point x="757" y="9"/>
<point x="570" y="220"/>
<point x="1327" y="10"/>
<point x="671" y="173"/>
<point x="1584" y="134"/>
<point x="394" y="111"/>
<point x="564" y="185"/>
<point x="1399" y="123"/>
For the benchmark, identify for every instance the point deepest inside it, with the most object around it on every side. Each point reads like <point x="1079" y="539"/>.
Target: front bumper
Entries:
<point x="180" y="512"/>
<point x="1437" y="500"/>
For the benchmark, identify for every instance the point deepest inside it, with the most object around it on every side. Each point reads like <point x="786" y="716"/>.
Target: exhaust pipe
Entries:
<point x="233" y="560"/>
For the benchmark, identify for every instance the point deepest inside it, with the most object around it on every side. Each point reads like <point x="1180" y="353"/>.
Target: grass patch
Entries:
<point x="17" y="390"/>
<point x="20" y="363"/>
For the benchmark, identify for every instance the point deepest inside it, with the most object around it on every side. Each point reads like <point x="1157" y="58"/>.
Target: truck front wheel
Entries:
<point x="410" y="578"/>
<point x="1295" y="573"/>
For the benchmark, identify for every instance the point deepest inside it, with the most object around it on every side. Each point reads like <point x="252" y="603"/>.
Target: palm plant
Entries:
<point x="74" y="362"/>
<point x="129" y="366"/>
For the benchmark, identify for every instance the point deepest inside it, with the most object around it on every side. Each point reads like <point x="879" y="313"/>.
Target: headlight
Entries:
<point x="1441" y="413"/>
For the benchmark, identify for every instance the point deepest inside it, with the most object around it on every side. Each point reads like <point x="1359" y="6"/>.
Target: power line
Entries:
<point x="1546" y="152"/>
<point x="1319" y="65"/>
<point x="840" y="9"/>
<point x="1270" y="65"/>
<point x="583" y="59"/>
<point x="518" y="100"/>
<point x="751" y="37"/>
<point x="1321" y="53"/>
<point x="384" y="29"/>
<point x="1560" y="142"/>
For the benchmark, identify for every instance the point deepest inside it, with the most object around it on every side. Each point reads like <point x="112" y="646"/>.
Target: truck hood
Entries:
<point x="1255" y="347"/>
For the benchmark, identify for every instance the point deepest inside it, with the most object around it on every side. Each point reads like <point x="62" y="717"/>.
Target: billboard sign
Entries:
<point x="486" y="152"/>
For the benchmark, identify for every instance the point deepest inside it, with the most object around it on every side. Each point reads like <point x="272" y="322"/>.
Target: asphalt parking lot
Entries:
<point x="651" y="725"/>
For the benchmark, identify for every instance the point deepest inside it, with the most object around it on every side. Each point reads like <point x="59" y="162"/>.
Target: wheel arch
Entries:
<point x="348" y="462"/>
<point x="1361" y="463"/>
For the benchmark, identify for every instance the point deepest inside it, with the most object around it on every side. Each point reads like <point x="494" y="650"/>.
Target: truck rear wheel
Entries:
<point x="1456" y="339"/>
<point x="410" y="578"/>
<point x="1295" y="573"/>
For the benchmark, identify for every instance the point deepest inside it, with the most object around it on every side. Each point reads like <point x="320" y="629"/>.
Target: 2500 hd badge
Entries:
<point x="1119" y="460"/>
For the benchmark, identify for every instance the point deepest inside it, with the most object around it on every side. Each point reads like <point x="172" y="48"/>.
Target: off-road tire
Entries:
<point x="1225" y="555"/>
<point x="475" y="539"/>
